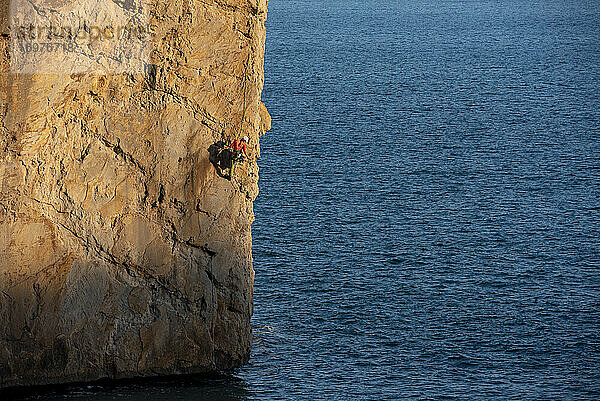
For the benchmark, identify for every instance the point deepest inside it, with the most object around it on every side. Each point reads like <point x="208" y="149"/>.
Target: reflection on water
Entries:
<point x="197" y="388"/>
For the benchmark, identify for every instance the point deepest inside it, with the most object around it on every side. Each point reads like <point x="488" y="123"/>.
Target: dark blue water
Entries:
<point x="429" y="218"/>
<point x="428" y="223"/>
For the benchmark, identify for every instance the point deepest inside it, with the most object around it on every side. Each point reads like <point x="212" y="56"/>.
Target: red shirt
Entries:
<point x="239" y="145"/>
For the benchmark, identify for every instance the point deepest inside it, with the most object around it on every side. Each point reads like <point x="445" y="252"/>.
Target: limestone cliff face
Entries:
<point x="122" y="252"/>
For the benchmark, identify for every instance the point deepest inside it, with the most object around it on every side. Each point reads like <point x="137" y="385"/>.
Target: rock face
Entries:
<point x="123" y="252"/>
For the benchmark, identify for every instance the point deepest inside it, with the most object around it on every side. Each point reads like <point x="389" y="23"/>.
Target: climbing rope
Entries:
<point x="244" y="86"/>
<point x="244" y="89"/>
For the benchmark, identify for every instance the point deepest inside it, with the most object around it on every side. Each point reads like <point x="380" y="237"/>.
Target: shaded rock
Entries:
<point x="221" y="156"/>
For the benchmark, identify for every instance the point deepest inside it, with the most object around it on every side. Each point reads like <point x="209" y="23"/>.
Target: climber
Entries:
<point x="239" y="153"/>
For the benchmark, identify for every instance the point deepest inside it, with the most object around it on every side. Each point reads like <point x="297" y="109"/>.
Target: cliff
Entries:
<point x="123" y="251"/>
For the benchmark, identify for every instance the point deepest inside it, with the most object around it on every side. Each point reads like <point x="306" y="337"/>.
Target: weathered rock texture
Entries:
<point x="122" y="252"/>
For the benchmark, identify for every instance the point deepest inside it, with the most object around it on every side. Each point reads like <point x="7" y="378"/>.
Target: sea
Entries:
<point x="429" y="215"/>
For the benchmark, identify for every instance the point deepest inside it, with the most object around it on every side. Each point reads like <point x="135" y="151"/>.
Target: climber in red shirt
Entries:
<point x="239" y="148"/>
<point x="239" y="153"/>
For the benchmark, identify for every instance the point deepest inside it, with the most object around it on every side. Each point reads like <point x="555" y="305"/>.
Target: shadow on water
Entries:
<point x="198" y="388"/>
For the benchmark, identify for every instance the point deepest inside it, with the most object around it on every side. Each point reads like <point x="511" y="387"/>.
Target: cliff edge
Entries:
<point x="123" y="252"/>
